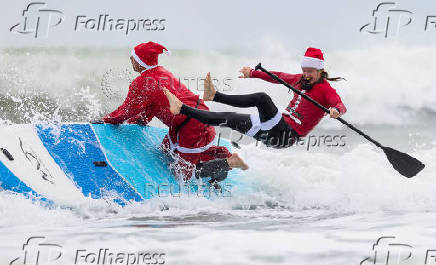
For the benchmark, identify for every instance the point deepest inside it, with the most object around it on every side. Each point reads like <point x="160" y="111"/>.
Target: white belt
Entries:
<point x="264" y="126"/>
<point x="186" y="150"/>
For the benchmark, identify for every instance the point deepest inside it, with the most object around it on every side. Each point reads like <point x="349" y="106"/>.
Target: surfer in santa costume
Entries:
<point x="269" y="125"/>
<point x="189" y="141"/>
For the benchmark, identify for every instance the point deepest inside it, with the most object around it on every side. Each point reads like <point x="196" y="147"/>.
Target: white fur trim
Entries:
<point x="193" y="172"/>
<point x="269" y="124"/>
<point x="186" y="150"/>
<point x="312" y="63"/>
<point x="167" y="52"/>
<point x="255" y="125"/>
<point x="146" y="66"/>
<point x="264" y="126"/>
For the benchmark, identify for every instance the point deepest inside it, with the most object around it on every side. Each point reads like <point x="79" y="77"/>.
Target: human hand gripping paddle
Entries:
<point x="405" y="164"/>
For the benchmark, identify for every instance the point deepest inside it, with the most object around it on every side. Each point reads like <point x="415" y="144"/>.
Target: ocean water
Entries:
<point x="310" y="204"/>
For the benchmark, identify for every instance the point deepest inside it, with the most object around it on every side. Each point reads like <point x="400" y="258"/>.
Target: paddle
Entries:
<point x="405" y="164"/>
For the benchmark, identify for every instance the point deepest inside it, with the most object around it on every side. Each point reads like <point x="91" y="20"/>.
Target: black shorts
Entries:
<point x="280" y="136"/>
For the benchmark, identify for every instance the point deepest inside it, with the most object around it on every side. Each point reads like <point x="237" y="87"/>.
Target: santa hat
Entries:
<point x="146" y="54"/>
<point x="313" y="58"/>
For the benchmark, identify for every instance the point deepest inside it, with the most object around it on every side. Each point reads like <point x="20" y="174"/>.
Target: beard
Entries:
<point x="305" y="83"/>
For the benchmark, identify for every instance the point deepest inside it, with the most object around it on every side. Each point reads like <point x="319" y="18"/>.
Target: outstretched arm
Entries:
<point x="248" y="72"/>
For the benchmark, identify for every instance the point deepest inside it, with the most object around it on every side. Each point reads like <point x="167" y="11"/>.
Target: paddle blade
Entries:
<point x="405" y="164"/>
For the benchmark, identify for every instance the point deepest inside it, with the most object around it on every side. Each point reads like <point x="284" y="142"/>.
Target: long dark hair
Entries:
<point x="325" y="75"/>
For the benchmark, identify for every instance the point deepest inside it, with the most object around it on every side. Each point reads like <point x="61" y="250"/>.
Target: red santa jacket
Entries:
<point x="146" y="100"/>
<point x="300" y="114"/>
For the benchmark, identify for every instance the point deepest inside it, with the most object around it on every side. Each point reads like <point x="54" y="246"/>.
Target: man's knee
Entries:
<point x="265" y="103"/>
<point x="263" y="97"/>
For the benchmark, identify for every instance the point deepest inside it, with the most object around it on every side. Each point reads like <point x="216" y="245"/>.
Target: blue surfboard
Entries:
<point x="76" y="150"/>
<point x="117" y="163"/>
<point x="134" y="151"/>
<point x="9" y="182"/>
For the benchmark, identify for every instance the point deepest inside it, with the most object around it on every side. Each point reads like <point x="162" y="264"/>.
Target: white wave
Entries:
<point x="385" y="84"/>
<point x="361" y="179"/>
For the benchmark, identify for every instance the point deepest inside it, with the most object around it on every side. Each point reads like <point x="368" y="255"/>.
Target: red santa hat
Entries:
<point x="146" y="54"/>
<point x="313" y="58"/>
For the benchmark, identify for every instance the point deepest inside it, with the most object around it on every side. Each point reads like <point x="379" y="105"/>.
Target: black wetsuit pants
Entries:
<point x="279" y="136"/>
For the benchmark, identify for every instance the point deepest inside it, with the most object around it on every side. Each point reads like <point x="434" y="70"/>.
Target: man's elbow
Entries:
<point x="112" y="120"/>
<point x="139" y="120"/>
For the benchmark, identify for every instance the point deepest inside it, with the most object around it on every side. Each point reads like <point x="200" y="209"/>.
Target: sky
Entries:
<point x="230" y="25"/>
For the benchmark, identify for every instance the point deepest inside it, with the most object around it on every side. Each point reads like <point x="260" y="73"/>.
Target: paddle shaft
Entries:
<point x="278" y="79"/>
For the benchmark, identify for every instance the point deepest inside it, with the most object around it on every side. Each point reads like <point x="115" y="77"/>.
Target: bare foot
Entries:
<point x="175" y="103"/>
<point x="236" y="162"/>
<point x="209" y="89"/>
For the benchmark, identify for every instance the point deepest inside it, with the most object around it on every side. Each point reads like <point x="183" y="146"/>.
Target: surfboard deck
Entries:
<point x="74" y="162"/>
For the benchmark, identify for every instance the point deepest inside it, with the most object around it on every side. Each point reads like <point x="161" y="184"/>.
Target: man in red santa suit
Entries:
<point x="269" y="125"/>
<point x="189" y="141"/>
